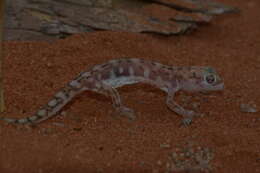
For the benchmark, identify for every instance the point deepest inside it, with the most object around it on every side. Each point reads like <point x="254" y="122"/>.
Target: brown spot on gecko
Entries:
<point x="165" y="76"/>
<point x="179" y="68"/>
<point x="105" y="75"/>
<point x="173" y="83"/>
<point x="153" y="63"/>
<point x="152" y="75"/>
<point x="89" y="84"/>
<point x="104" y="65"/>
<point x="170" y="68"/>
<point x="193" y="74"/>
<point x="138" y="70"/>
<point x="156" y="65"/>
<point x="82" y="80"/>
<point x="129" y="61"/>
<point x="164" y="67"/>
<point x="121" y="71"/>
<point x="142" y="61"/>
<point x="188" y="68"/>
<point x="119" y="61"/>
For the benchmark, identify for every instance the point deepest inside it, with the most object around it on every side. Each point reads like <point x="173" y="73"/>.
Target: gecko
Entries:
<point x="105" y="78"/>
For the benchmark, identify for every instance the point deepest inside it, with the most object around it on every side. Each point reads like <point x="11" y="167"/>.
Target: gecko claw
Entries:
<point x="186" y="121"/>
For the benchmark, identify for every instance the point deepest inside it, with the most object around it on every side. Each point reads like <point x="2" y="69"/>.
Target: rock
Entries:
<point x="35" y="19"/>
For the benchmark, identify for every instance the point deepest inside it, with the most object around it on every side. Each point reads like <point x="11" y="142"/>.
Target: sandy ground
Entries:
<point x="85" y="137"/>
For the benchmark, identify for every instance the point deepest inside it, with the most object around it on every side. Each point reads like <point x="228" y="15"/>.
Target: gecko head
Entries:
<point x="202" y="79"/>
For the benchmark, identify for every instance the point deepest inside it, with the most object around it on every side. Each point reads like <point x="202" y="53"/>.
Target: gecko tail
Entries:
<point x="15" y="121"/>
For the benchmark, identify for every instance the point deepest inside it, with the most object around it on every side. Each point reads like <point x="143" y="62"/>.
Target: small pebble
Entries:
<point x="77" y="128"/>
<point x="63" y="113"/>
<point x="248" y="108"/>
<point x="58" y="124"/>
<point x="165" y="145"/>
<point x="159" y="162"/>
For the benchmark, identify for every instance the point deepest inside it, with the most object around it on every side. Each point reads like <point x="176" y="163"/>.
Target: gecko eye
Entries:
<point x="210" y="79"/>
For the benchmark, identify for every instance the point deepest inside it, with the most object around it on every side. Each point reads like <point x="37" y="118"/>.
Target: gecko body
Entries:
<point x="105" y="78"/>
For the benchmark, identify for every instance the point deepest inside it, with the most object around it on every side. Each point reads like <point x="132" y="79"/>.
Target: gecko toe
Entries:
<point x="186" y="121"/>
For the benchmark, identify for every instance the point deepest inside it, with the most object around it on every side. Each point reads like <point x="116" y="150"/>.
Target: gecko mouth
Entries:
<point x="218" y="87"/>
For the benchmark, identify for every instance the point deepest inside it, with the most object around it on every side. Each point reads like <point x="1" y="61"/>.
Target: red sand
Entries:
<point x="87" y="138"/>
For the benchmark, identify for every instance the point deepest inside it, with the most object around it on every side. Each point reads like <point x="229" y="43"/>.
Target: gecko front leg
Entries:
<point x="116" y="100"/>
<point x="175" y="107"/>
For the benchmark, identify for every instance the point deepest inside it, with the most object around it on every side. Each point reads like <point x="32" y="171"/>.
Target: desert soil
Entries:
<point x="86" y="137"/>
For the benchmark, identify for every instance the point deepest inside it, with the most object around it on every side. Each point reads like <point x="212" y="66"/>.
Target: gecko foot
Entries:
<point x="127" y="112"/>
<point x="187" y="118"/>
<point x="186" y="121"/>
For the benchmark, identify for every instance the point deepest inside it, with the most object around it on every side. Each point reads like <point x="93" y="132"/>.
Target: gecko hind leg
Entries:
<point x="186" y="114"/>
<point x="117" y="103"/>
